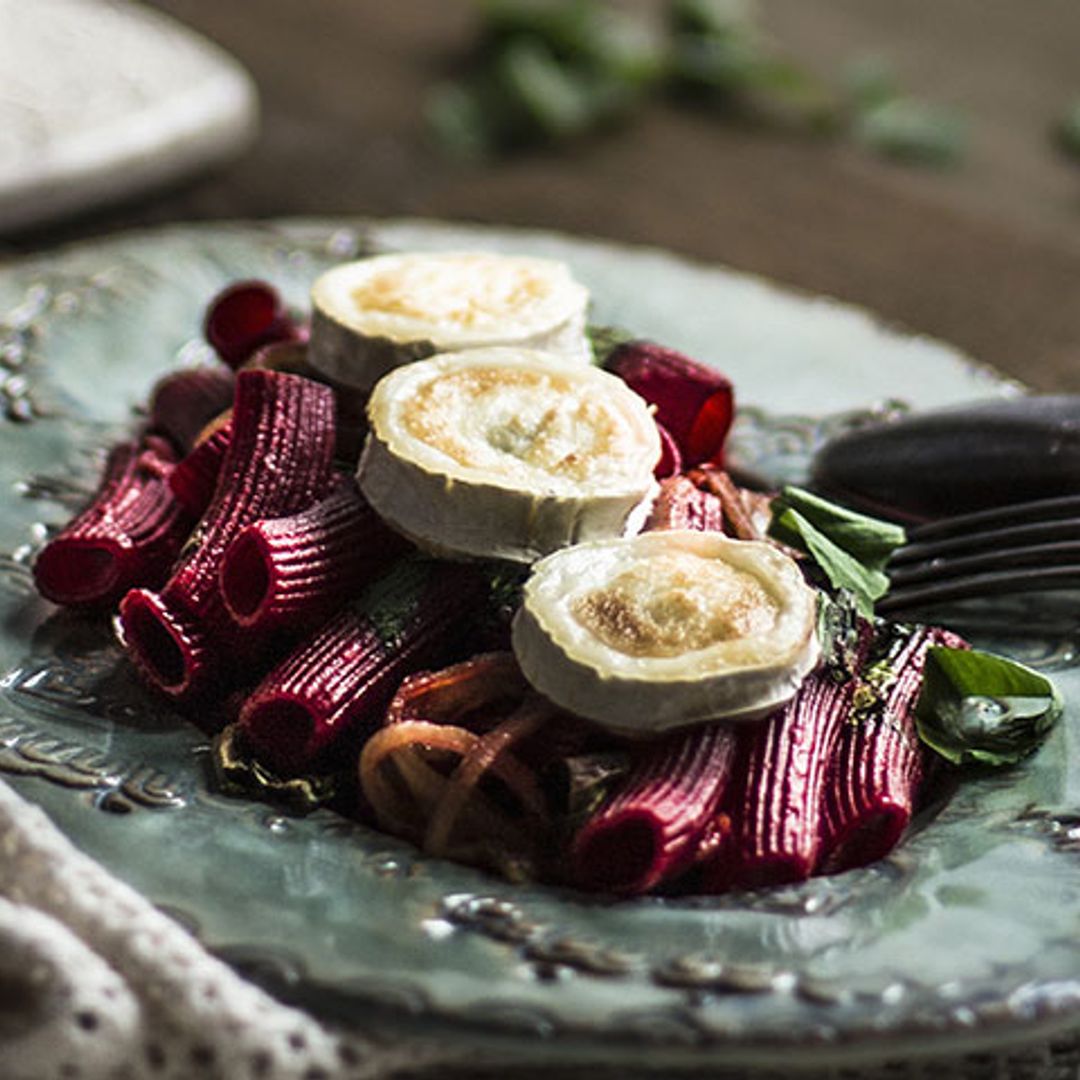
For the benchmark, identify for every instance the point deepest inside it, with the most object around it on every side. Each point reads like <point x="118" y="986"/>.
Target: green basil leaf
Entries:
<point x="869" y="540"/>
<point x="850" y="548"/>
<point x="843" y="571"/>
<point x="870" y="81"/>
<point x="551" y="96"/>
<point x="710" y="17"/>
<point x="979" y="709"/>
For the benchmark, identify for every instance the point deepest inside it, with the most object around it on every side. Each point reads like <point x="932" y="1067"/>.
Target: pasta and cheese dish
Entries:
<point x="499" y="596"/>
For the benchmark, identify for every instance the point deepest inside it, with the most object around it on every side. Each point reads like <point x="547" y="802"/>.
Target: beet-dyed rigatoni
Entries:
<point x="295" y="571"/>
<point x="681" y="504"/>
<point x="694" y="403"/>
<point x="877" y="770"/>
<point x="194" y="480"/>
<point x="671" y="459"/>
<point x="128" y="536"/>
<point x="278" y="462"/>
<point x="184" y="402"/>
<point x="649" y="831"/>
<point x="246" y="316"/>
<point x="784" y="759"/>
<point x="333" y="690"/>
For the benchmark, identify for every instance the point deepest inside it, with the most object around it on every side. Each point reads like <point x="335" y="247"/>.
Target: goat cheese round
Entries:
<point x="666" y="629"/>
<point x="507" y="453"/>
<point x="375" y="314"/>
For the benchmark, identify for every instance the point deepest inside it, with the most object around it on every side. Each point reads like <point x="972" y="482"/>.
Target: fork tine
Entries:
<point x="1055" y="554"/>
<point x="1004" y="539"/>
<point x="1019" y="547"/>
<point x="998" y="516"/>
<point x="994" y="583"/>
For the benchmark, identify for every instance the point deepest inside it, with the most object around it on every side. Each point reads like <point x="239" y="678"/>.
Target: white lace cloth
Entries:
<point x="97" y="983"/>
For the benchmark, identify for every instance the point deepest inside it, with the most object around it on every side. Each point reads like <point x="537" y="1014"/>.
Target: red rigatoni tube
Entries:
<point x="649" y="831"/>
<point x="129" y="535"/>
<point x="184" y="402"/>
<point x="326" y="697"/>
<point x="671" y="460"/>
<point x="784" y="760"/>
<point x="878" y="768"/>
<point x="681" y="504"/>
<point x="194" y="480"/>
<point x="693" y="402"/>
<point x="278" y="463"/>
<point x="296" y="571"/>
<point x="246" y="316"/>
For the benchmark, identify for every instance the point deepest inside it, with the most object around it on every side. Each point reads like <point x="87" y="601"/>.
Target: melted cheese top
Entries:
<point x="454" y="299"/>
<point x="518" y="418"/>
<point x="675" y="603"/>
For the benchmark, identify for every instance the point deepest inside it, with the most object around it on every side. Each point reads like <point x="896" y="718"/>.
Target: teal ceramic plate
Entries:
<point x="964" y="938"/>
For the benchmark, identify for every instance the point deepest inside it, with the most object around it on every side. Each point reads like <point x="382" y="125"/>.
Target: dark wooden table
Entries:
<point x="986" y="256"/>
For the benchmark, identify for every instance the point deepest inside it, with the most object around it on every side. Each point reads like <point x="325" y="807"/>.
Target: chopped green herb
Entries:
<point x="980" y="709"/>
<point x="707" y="17"/>
<point x="625" y="49"/>
<point x="389" y="602"/>
<point x="460" y="120"/>
<point x="581" y="32"/>
<point x="553" y="70"/>
<point x="870" y="82"/>
<point x="911" y="131"/>
<point x="789" y="96"/>
<point x="585" y="780"/>
<point x="838" y="632"/>
<point x="719" y="65"/>
<point x="546" y="71"/>
<point x="1067" y="131"/>
<point x="604" y="340"/>
<point x="552" y="97"/>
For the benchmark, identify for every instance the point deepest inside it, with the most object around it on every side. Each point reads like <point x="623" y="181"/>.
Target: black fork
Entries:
<point x="1021" y="547"/>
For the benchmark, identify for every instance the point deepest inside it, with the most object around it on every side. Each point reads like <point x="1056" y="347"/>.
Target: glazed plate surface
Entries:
<point x="965" y="938"/>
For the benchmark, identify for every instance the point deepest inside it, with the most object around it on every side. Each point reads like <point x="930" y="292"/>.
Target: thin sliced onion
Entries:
<point x="429" y="788"/>
<point x="488" y="752"/>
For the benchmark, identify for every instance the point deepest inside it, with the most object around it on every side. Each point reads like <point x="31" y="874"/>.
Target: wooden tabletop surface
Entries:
<point x="985" y="255"/>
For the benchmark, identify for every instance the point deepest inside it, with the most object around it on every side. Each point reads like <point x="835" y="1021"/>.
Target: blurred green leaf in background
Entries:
<point x="1067" y="130"/>
<point x="546" y="71"/>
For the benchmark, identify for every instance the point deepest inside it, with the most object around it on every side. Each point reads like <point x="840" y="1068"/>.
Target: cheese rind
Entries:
<point x="666" y="629"/>
<point x="507" y="453"/>
<point x="373" y="315"/>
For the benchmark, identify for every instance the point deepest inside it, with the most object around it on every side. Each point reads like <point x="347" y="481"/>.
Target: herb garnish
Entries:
<point x="980" y="709"/>
<point x="851" y="549"/>
<point x="1067" y="131"/>
<point x="550" y="71"/>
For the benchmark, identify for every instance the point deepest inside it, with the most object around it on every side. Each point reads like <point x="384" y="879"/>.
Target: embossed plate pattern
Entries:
<point x="965" y="937"/>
